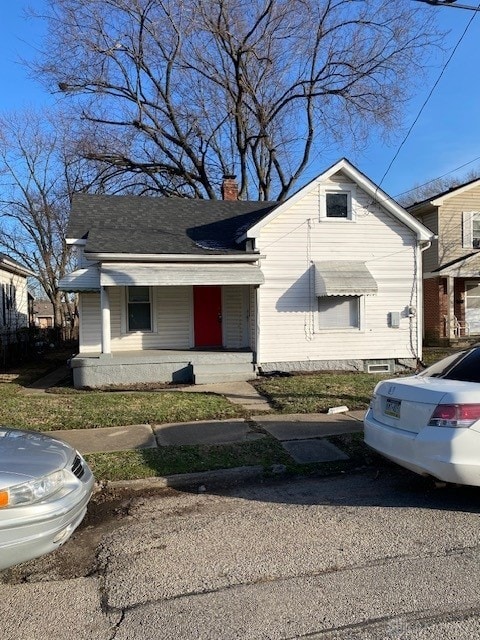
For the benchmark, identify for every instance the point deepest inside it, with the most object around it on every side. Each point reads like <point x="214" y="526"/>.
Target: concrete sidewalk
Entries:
<point x="303" y="436"/>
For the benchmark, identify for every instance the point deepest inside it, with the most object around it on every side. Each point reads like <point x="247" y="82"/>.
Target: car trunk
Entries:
<point x="407" y="403"/>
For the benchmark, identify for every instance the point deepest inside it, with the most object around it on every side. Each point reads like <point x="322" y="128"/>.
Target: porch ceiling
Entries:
<point x="124" y="274"/>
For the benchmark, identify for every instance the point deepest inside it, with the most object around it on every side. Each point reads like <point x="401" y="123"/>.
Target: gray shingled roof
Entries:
<point x="141" y="224"/>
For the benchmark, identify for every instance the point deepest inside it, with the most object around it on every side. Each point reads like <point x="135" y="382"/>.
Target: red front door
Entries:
<point x="207" y="309"/>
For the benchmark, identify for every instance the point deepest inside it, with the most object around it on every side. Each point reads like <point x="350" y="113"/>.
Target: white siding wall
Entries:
<point x="288" y="313"/>
<point x="172" y="324"/>
<point x="89" y="310"/>
<point x="16" y="317"/>
<point x="235" y="312"/>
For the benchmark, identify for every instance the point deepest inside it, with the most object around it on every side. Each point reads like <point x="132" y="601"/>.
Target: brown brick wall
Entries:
<point x="459" y="306"/>
<point x="435" y="307"/>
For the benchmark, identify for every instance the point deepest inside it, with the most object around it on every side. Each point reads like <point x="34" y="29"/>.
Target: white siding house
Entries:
<point x="212" y="290"/>
<point x="14" y="311"/>
<point x="303" y="325"/>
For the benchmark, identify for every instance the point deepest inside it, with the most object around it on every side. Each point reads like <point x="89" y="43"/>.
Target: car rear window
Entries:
<point x="464" y="366"/>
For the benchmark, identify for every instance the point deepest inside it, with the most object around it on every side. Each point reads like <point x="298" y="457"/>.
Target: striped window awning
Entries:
<point x="343" y="278"/>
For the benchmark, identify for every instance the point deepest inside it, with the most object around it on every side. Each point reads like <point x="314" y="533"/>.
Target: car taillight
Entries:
<point x="455" y="415"/>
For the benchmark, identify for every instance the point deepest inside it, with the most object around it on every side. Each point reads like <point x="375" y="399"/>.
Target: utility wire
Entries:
<point x="419" y="186"/>
<point x="427" y="98"/>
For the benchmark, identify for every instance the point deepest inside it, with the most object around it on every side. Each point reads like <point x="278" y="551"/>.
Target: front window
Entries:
<point x="339" y="312"/>
<point x="139" y="309"/>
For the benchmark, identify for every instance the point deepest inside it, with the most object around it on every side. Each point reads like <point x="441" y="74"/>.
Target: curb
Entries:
<point x="200" y="481"/>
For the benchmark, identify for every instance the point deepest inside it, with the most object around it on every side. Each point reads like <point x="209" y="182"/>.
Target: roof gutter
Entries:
<point x="172" y="257"/>
<point x="15" y="268"/>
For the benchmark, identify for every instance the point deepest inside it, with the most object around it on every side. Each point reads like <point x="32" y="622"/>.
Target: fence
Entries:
<point x="24" y="345"/>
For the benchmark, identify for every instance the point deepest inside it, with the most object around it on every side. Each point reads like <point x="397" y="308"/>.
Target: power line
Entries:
<point x="428" y="97"/>
<point x="419" y="186"/>
<point x="450" y="3"/>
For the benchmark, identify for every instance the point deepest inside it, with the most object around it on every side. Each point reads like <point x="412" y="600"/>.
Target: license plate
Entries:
<point x="392" y="408"/>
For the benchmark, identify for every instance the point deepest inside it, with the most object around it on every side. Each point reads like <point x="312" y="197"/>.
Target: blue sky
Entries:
<point x="446" y="136"/>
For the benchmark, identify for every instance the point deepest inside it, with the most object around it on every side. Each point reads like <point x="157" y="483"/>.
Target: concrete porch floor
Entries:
<point x="94" y="370"/>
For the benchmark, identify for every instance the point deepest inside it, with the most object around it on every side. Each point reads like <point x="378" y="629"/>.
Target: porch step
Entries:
<point x="222" y="372"/>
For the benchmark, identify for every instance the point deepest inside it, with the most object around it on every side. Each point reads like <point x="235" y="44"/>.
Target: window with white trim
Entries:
<point x="139" y="309"/>
<point x="476" y="231"/>
<point x="336" y="202"/>
<point x="471" y="229"/>
<point x="339" y="312"/>
<point x="336" y="205"/>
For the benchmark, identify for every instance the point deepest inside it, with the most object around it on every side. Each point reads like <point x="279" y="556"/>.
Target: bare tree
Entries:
<point x="183" y="91"/>
<point x="433" y="187"/>
<point x="38" y="174"/>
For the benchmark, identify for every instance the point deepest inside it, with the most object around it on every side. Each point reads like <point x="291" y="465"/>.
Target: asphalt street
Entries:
<point x="355" y="556"/>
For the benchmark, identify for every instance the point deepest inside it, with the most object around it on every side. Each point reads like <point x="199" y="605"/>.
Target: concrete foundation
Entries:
<point x="405" y="364"/>
<point x="96" y="370"/>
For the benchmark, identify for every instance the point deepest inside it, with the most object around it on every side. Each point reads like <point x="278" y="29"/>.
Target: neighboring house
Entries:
<point x="201" y="290"/>
<point x="14" y="296"/>
<point x="451" y="266"/>
<point x="43" y="314"/>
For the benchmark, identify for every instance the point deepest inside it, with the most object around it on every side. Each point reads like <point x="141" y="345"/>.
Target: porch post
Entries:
<point x="450" y="303"/>
<point x="105" y="320"/>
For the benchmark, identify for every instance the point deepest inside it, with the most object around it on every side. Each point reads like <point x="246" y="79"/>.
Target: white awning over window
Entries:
<point x="162" y="274"/>
<point x="343" y="278"/>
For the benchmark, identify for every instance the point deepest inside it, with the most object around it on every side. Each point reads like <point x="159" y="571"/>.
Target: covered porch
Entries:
<point x="460" y="298"/>
<point x="163" y="323"/>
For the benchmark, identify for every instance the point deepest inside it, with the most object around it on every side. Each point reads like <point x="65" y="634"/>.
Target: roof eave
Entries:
<point x="15" y="268"/>
<point x="79" y="242"/>
<point x="173" y="257"/>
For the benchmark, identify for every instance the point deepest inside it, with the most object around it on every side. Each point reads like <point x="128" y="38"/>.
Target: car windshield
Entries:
<point x="464" y="366"/>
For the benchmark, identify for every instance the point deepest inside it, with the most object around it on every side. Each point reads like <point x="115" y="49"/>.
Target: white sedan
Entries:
<point x="430" y="422"/>
<point x="45" y="486"/>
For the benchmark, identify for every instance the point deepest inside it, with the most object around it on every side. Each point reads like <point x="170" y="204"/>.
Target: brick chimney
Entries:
<point x="229" y="188"/>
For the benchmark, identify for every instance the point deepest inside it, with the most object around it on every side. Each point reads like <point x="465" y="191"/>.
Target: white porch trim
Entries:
<point x="105" y="321"/>
<point x="156" y="275"/>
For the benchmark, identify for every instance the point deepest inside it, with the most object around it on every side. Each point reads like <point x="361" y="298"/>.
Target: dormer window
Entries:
<point x="336" y="202"/>
<point x="336" y="205"/>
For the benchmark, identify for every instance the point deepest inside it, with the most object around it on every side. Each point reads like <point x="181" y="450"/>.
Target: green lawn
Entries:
<point x="315" y="393"/>
<point x="129" y="465"/>
<point x="67" y="410"/>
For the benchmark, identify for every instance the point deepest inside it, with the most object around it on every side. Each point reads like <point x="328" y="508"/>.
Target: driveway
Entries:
<point x="356" y="556"/>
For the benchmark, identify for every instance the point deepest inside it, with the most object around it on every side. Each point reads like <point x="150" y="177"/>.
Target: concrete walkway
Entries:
<point x="242" y="393"/>
<point x="303" y="436"/>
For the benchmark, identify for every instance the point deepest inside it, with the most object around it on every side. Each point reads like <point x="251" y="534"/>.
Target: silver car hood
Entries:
<point x="25" y="455"/>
